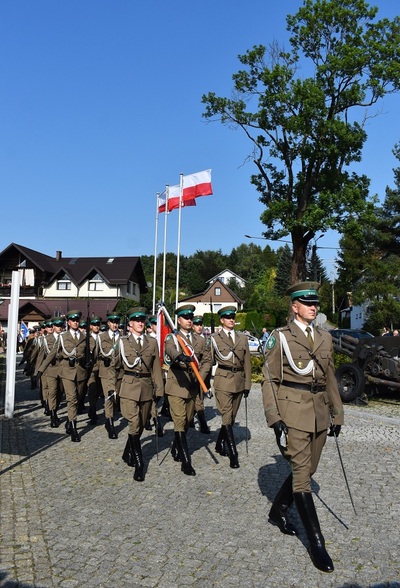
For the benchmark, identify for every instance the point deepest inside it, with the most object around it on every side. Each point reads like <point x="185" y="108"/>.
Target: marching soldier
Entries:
<point x="106" y="351"/>
<point x="94" y="387"/>
<point x="301" y="402"/>
<point x="182" y="386"/>
<point x="51" y="376"/>
<point x="197" y="327"/>
<point x="41" y="353"/>
<point x="71" y="355"/>
<point x="232" y="379"/>
<point x="141" y="382"/>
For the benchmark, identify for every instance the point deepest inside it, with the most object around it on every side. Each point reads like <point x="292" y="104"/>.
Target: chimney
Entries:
<point x="58" y="255"/>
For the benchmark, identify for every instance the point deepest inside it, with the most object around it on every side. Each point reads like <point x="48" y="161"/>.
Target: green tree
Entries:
<point x="306" y="132"/>
<point x="283" y="270"/>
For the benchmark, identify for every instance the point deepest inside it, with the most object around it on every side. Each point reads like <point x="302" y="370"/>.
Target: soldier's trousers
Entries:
<point x="228" y="404"/>
<point x="74" y="391"/>
<point x="136" y="412"/>
<point x="304" y="452"/>
<point x="182" y="412"/>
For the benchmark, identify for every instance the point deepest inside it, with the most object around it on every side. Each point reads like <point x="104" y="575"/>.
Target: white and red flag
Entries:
<point x="173" y="199"/>
<point x="198" y="184"/>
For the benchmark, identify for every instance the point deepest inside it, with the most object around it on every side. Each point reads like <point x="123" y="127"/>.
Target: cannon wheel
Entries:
<point x="351" y="381"/>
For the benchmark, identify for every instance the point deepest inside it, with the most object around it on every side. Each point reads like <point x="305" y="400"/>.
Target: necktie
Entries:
<point x="139" y="342"/>
<point x="230" y="338"/>
<point x="188" y="337"/>
<point x="309" y="337"/>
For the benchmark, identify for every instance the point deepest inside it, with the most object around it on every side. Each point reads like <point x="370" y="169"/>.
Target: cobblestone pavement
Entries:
<point x="72" y="516"/>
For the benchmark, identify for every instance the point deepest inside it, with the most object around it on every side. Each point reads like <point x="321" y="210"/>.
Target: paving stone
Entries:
<point x="71" y="514"/>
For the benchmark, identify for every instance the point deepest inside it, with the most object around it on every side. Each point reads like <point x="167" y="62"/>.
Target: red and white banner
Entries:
<point x="198" y="184"/>
<point x="173" y="199"/>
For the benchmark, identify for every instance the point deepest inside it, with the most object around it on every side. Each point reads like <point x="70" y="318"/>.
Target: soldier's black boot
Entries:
<point x="92" y="415"/>
<point x="136" y="451"/>
<point x="204" y="428"/>
<point x="74" y="433"/>
<point x="158" y="427"/>
<point x="46" y="408"/>
<point x="306" y="508"/>
<point x="278" y="513"/>
<point x="81" y="406"/>
<point x="68" y="427"/>
<point x="147" y="425"/>
<point x="112" y="433"/>
<point x="175" y="450"/>
<point x="127" y="455"/>
<point x="231" y="446"/>
<point x="165" y="408"/>
<point x="54" y="420"/>
<point x="220" y="444"/>
<point x="181" y="444"/>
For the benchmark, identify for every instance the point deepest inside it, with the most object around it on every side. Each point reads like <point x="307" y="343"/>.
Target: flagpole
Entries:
<point x="165" y="242"/>
<point x="179" y="239"/>
<point x="155" y="256"/>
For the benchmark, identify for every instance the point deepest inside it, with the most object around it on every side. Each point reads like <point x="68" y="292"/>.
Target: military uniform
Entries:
<point x="199" y="404"/>
<point x="232" y="379"/>
<point x="141" y="382"/>
<point x="182" y="386"/>
<point x="71" y="357"/>
<point x="106" y="353"/>
<point x="301" y="396"/>
<point x="50" y="379"/>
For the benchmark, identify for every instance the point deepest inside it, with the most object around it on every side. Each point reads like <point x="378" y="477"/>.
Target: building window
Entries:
<point x="96" y="284"/>
<point x="217" y="291"/>
<point x="132" y="288"/>
<point x="64" y="283"/>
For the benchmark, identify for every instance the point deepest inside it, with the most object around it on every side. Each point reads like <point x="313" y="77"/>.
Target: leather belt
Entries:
<point x="137" y="374"/>
<point x="313" y="387"/>
<point x="233" y="369"/>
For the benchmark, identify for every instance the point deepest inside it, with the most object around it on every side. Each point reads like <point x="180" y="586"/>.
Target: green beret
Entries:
<point x="74" y="314"/>
<point x="48" y="322"/>
<point x="95" y="320"/>
<point x="83" y="324"/>
<point x="227" y="310"/>
<point x="186" y="311"/>
<point x="153" y="320"/>
<point x="197" y="319"/>
<point x="103" y="327"/>
<point x="138" y="312"/>
<point x="58" y="321"/>
<point x="304" y="292"/>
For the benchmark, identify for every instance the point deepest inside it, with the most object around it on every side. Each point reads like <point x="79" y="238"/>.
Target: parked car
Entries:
<point x="254" y="344"/>
<point x="355" y="333"/>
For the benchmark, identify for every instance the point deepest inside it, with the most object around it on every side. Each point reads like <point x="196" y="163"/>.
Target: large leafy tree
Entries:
<point x="307" y="131"/>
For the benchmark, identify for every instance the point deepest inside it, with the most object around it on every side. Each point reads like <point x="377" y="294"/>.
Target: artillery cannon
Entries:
<point x="374" y="364"/>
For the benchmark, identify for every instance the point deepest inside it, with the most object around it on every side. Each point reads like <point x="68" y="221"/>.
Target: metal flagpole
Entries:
<point x="165" y="242"/>
<point x="155" y="255"/>
<point x="179" y="240"/>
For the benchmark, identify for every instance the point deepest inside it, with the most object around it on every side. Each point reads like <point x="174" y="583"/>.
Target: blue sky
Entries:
<point x="100" y="108"/>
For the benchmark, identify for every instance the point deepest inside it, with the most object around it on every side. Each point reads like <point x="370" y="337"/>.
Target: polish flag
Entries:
<point x="163" y="330"/>
<point x="173" y="199"/>
<point x="198" y="184"/>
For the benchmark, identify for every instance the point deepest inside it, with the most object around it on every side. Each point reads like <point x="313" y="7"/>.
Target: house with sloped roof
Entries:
<point x="214" y="297"/>
<point x="54" y="285"/>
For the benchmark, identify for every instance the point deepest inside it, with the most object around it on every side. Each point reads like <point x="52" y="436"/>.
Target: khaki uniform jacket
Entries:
<point x="299" y="408"/>
<point x="181" y="380"/>
<point x="52" y="369"/>
<point x="133" y="386"/>
<point x="231" y="381"/>
<point x="104" y="358"/>
<point x="77" y="348"/>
